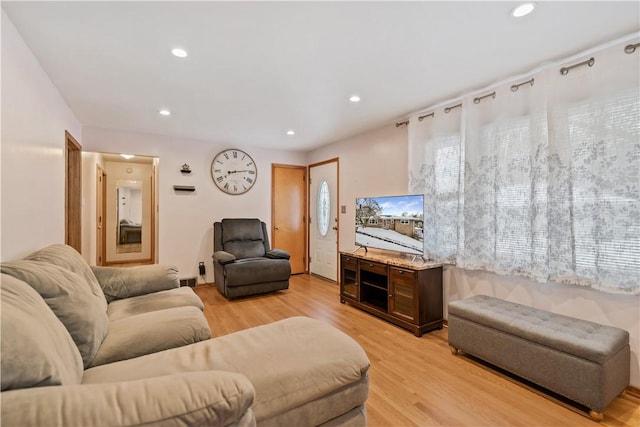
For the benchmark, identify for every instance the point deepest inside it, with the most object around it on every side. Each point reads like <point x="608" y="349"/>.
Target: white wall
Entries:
<point x="186" y="220"/>
<point x="383" y="156"/>
<point x="34" y="119"/>
<point x="371" y="164"/>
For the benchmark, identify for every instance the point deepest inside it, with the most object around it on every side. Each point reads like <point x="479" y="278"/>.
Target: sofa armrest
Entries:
<point x="223" y="257"/>
<point x="212" y="398"/>
<point x="278" y="254"/>
<point x="118" y="283"/>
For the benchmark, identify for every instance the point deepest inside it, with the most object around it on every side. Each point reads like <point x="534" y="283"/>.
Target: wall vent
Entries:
<point x="189" y="281"/>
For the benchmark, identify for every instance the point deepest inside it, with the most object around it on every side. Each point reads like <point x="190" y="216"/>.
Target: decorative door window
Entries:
<point x="324" y="208"/>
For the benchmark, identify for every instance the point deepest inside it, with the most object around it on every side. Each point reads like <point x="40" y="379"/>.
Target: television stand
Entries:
<point x="400" y="291"/>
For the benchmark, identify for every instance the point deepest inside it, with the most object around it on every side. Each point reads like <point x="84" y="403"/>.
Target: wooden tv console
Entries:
<point x="405" y="293"/>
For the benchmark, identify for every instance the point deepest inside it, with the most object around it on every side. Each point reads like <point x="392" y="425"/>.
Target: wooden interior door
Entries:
<point x="288" y="213"/>
<point x="73" y="193"/>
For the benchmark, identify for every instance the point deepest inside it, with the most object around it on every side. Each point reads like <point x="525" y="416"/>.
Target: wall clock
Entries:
<point x="233" y="171"/>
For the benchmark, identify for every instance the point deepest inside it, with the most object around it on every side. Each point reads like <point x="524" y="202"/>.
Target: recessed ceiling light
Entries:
<point x="291" y="132"/>
<point x="523" y="9"/>
<point x="127" y="156"/>
<point x="180" y="53"/>
<point x="354" y="98"/>
<point x="164" y="112"/>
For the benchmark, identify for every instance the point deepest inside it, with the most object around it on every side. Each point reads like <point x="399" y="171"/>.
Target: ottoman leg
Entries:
<point x="598" y="416"/>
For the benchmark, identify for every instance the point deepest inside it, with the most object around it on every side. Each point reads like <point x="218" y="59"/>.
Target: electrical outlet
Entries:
<point x="201" y="268"/>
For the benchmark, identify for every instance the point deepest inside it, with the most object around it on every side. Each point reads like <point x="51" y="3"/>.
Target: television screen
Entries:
<point x="394" y="223"/>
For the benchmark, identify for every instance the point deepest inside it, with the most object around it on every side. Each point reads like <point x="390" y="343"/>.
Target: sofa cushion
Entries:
<point x="37" y="350"/>
<point x="257" y="270"/>
<point x="235" y="229"/>
<point x="291" y="363"/>
<point x="210" y="398"/>
<point x="179" y="297"/>
<point x="67" y="257"/>
<point x="152" y="332"/>
<point x="118" y="283"/>
<point x="83" y="313"/>
<point x="243" y="238"/>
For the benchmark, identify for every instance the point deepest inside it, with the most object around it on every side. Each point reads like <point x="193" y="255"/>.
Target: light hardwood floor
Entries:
<point x="414" y="381"/>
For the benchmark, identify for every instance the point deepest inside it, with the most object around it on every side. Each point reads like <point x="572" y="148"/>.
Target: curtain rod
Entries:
<point x="477" y="99"/>
<point x="515" y="87"/>
<point x="406" y="122"/>
<point x="630" y="48"/>
<point x="446" y="110"/>
<point x="432" y="114"/>
<point x="565" y="70"/>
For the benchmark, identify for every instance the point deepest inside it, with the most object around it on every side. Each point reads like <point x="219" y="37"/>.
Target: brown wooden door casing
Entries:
<point x="101" y="191"/>
<point x="73" y="193"/>
<point x="288" y="213"/>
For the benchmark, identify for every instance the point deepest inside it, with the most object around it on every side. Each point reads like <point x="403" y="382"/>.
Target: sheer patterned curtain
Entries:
<point x="505" y="198"/>
<point x="548" y="183"/>
<point x="434" y="170"/>
<point x="594" y="224"/>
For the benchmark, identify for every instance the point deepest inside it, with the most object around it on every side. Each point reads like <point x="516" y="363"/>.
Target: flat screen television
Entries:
<point x="393" y="223"/>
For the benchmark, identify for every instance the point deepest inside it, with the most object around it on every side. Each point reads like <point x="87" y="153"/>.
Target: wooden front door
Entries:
<point x="323" y="219"/>
<point x="288" y="213"/>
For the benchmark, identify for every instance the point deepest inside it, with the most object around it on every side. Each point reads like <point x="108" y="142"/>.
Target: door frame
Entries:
<point x="73" y="192"/>
<point x="335" y="160"/>
<point x="101" y="212"/>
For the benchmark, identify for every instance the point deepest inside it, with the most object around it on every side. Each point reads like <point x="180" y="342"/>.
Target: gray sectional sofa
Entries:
<point x="93" y="346"/>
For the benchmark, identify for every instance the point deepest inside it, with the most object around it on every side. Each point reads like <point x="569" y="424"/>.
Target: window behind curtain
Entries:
<point x="549" y="180"/>
<point x="435" y="172"/>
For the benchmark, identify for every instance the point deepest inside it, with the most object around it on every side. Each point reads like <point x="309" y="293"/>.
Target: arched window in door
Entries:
<point x="324" y="208"/>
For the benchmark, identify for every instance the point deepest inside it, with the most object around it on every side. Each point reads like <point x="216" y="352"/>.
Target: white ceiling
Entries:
<point x="257" y="69"/>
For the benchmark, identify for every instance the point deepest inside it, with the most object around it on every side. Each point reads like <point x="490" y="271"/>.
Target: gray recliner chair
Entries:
<point x="243" y="262"/>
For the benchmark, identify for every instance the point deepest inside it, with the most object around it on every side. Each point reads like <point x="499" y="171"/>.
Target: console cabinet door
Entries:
<point x="349" y="277"/>
<point x="402" y="293"/>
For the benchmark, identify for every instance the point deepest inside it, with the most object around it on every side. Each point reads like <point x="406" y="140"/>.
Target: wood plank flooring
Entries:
<point x="414" y="381"/>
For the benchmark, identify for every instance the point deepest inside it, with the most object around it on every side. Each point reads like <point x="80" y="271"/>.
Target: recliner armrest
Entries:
<point x="223" y="257"/>
<point x="278" y="254"/>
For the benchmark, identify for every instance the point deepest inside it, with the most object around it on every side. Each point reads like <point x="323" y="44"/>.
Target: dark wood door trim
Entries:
<point x="73" y="192"/>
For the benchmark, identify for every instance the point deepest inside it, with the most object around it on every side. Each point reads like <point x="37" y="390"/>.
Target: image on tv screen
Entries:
<point x="394" y="223"/>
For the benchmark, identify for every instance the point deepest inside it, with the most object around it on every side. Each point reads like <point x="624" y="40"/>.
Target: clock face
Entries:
<point x="233" y="171"/>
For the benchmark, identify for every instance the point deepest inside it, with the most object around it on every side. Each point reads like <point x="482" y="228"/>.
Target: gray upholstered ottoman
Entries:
<point x="584" y="361"/>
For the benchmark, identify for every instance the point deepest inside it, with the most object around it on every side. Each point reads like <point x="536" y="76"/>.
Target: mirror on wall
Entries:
<point x="121" y="225"/>
<point x="129" y="225"/>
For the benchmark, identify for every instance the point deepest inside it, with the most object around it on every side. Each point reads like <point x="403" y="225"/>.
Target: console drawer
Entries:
<point x="373" y="267"/>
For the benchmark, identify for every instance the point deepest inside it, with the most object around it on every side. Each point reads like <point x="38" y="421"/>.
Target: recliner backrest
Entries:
<point x="243" y="237"/>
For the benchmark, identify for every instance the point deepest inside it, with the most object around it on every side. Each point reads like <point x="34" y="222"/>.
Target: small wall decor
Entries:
<point x="185" y="168"/>
<point x="184" y="188"/>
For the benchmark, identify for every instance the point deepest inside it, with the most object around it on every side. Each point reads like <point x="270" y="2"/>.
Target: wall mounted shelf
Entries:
<point x="184" y="188"/>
